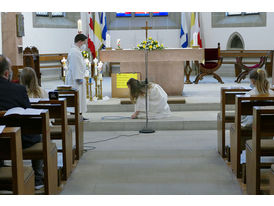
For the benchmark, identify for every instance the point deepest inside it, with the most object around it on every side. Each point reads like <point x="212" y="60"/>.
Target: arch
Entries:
<point x="235" y="41"/>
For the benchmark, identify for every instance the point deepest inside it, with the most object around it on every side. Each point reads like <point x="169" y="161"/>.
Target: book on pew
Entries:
<point x="2" y="127"/>
<point x="34" y="100"/>
<point x="22" y="111"/>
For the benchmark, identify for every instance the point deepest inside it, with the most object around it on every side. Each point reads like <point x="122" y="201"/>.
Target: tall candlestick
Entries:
<point x="108" y="41"/>
<point x="95" y="70"/>
<point x="100" y="76"/>
<point x="79" y="23"/>
<point x="95" y="61"/>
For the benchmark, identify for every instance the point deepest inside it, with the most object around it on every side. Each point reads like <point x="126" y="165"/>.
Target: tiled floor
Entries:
<point x="165" y="162"/>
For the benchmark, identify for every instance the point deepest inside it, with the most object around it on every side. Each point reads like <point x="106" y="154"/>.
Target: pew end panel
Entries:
<point x="227" y="98"/>
<point x="17" y="178"/>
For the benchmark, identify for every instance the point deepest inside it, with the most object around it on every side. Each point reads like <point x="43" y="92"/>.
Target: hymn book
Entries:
<point x="22" y="111"/>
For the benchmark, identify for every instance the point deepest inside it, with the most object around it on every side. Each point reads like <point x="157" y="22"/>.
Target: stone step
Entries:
<point x="115" y="106"/>
<point x="185" y="120"/>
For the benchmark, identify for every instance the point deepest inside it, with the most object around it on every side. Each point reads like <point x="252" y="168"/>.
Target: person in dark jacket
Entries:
<point x="15" y="95"/>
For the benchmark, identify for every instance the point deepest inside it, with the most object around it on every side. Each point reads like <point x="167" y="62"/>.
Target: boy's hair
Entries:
<point x="261" y="83"/>
<point x="80" y="37"/>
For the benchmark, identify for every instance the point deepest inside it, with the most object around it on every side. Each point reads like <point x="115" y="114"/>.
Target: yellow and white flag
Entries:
<point x="98" y="41"/>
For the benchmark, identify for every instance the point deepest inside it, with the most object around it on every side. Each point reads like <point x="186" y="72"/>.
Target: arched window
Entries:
<point x="235" y="41"/>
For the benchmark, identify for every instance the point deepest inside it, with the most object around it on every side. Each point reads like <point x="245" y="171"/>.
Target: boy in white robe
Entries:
<point x="76" y="70"/>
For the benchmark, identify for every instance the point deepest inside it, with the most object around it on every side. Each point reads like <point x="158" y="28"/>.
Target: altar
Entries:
<point x="165" y="67"/>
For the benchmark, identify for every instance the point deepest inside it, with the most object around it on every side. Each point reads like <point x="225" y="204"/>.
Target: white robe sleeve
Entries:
<point x="141" y="104"/>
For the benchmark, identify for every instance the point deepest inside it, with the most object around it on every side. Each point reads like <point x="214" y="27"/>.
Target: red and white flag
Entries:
<point x="91" y="36"/>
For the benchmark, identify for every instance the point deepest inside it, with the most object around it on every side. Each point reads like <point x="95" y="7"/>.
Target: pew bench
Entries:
<point x="17" y="178"/>
<point x="223" y="117"/>
<point x="75" y="119"/>
<point x="45" y="150"/>
<point x="258" y="147"/>
<point x="58" y="111"/>
<point x="238" y="135"/>
<point x="52" y="61"/>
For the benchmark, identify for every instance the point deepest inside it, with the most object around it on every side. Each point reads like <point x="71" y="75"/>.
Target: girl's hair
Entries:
<point x="28" y="78"/>
<point x="261" y="83"/>
<point x="137" y="88"/>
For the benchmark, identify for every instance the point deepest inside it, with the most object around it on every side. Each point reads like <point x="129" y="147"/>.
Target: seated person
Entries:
<point x="28" y="78"/>
<point x="260" y="86"/>
<point x="15" y="95"/>
<point x="157" y="99"/>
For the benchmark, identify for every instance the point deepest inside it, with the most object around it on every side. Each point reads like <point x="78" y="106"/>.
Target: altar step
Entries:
<point x="115" y="106"/>
<point x="120" y="121"/>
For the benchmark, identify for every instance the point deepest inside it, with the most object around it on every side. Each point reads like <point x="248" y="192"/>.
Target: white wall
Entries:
<point x="130" y="39"/>
<point x="254" y="37"/>
<point x="47" y="40"/>
<point x="59" y="40"/>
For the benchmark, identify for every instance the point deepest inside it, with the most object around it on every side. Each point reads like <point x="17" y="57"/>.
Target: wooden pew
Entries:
<point x="75" y="119"/>
<point x="250" y="54"/>
<point x="18" y="179"/>
<point x="45" y="150"/>
<point x="58" y="110"/>
<point x="227" y="98"/>
<point x="257" y="147"/>
<point x="238" y="135"/>
<point x="52" y="61"/>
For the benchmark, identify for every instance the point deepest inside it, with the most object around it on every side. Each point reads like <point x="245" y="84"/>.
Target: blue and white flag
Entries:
<point x="103" y="28"/>
<point x="184" y="31"/>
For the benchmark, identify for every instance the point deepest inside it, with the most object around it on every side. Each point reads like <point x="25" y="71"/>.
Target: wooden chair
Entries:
<point x="227" y="98"/>
<point x="18" y="179"/>
<point x="258" y="147"/>
<point x="247" y="69"/>
<point x="74" y="119"/>
<point x="238" y="135"/>
<point x="58" y="110"/>
<point x="31" y="59"/>
<point x="213" y="62"/>
<point x="45" y="150"/>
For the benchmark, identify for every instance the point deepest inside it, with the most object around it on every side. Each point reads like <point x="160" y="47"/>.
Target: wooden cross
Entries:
<point x="146" y="28"/>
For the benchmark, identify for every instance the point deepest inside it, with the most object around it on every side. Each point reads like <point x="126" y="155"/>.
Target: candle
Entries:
<point x="79" y="23"/>
<point x="95" y="71"/>
<point x="195" y="39"/>
<point x="108" y="41"/>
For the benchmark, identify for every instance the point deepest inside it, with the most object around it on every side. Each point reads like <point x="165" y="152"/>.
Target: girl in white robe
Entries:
<point x="260" y="87"/>
<point x="157" y="100"/>
<point x="76" y="71"/>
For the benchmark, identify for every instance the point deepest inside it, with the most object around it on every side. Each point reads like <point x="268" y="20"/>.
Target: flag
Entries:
<point x="195" y="28"/>
<point x="97" y="33"/>
<point x="91" y="36"/>
<point x="184" y="31"/>
<point x="103" y="23"/>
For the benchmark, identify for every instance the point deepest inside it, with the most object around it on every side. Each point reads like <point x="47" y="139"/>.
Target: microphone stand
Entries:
<point x="146" y="129"/>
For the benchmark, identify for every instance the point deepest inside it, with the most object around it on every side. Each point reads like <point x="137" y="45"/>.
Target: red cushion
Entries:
<point x="210" y="65"/>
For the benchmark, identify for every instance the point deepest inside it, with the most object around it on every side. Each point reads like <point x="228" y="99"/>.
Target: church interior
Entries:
<point x="202" y="60"/>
